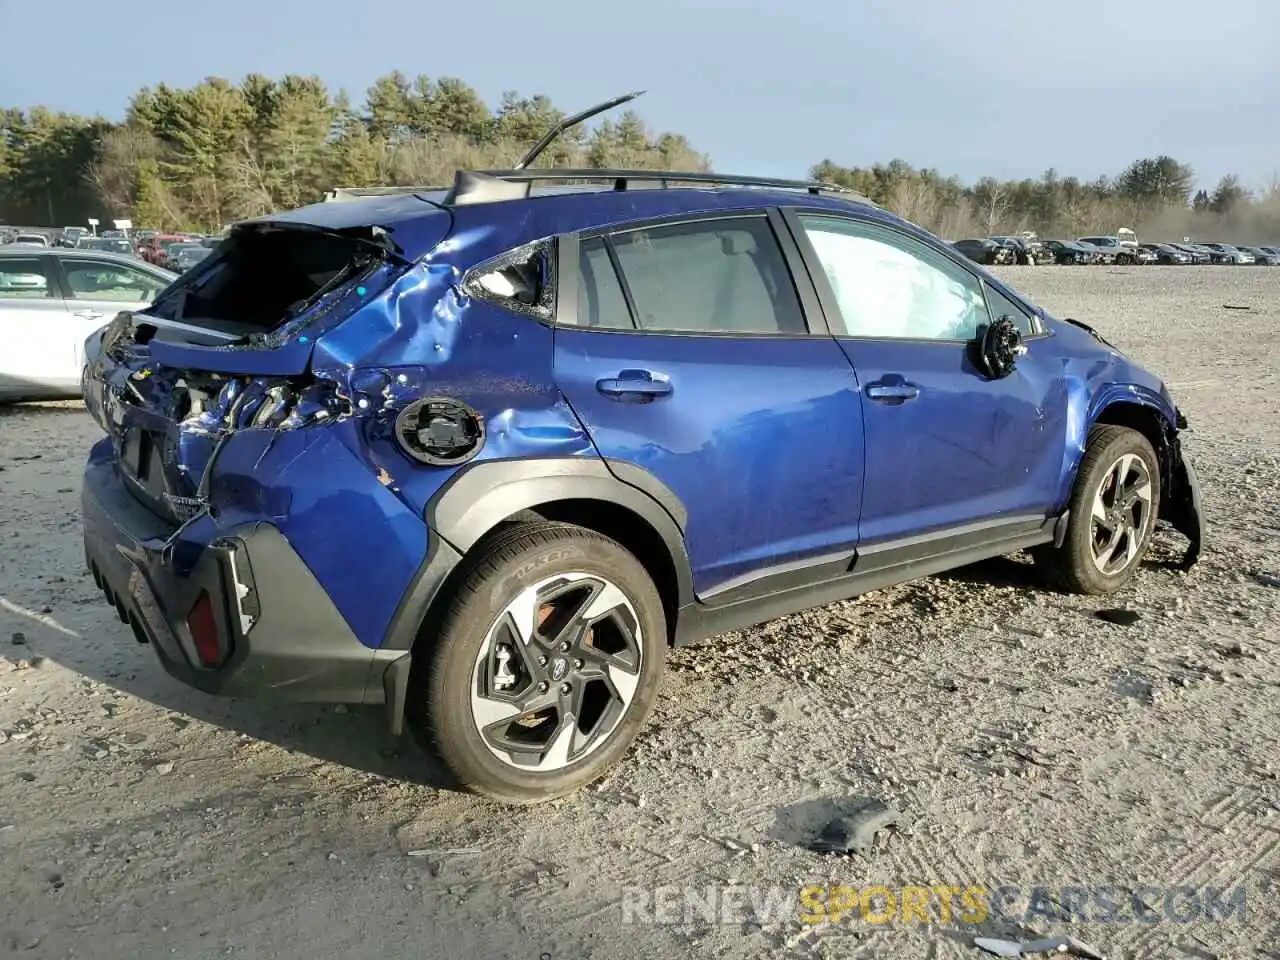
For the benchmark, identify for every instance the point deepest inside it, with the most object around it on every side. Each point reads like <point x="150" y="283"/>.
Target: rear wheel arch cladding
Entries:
<point x="483" y="496"/>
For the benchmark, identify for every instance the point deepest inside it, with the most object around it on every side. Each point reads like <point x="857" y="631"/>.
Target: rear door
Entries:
<point x="947" y="447"/>
<point x="35" y="328"/>
<point x="686" y="349"/>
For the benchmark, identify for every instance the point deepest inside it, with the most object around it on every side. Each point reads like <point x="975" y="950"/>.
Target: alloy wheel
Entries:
<point x="1121" y="514"/>
<point x="557" y="671"/>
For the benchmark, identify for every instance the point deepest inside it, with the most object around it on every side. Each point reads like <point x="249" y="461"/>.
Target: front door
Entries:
<point x="946" y="446"/>
<point x="35" y="328"/>
<point x="685" y="351"/>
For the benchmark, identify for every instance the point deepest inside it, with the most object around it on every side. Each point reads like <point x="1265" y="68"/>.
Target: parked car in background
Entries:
<point x="1166" y="253"/>
<point x="984" y="251"/>
<point x="109" y="244"/>
<point x="1069" y="252"/>
<point x="1026" y="251"/>
<point x="1271" y="252"/>
<point x="1225" y="253"/>
<point x="30" y="240"/>
<point x="161" y="246"/>
<point x="51" y="300"/>
<point x="1262" y="256"/>
<point x="1117" y="251"/>
<point x="1146" y="256"/>
<point x="70" y="236"/>
<point x="1103" y="255"/>
<point x="183" y="256"/>
<point x="1198" y="254"/>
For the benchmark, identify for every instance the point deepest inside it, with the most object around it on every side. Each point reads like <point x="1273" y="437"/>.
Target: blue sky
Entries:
<point x="1006" y="88"/>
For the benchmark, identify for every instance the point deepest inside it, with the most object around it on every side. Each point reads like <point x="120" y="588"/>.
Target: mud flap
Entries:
<point x="1185" y="510"/>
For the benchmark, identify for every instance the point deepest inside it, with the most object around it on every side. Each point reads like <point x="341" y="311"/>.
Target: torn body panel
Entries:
<point x="1114" y="389"/>
<point x="295" y="428"/>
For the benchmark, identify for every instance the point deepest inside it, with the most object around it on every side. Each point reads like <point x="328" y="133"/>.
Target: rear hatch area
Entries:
<point x="229" y="345"/>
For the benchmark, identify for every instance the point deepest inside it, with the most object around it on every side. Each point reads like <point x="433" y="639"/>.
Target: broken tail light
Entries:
<point x="204" y="630"/>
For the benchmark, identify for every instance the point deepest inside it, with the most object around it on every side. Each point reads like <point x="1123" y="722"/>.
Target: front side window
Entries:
<point x="117" y="283"/>
<point x="891" y="286"/>
<point x="24" y="278"/>
<point x="722" y="276"/>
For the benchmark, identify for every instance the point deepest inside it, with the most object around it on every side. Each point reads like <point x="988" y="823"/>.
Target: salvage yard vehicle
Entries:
<point x="1026" y="251"/>
<point x="1166" y="253"/>
<point x="51" y="299"/>
<point x="1199" y="255"/>
<point x="481" y="455"/>
<point x="1115" y="250"/>
<point x="1227" y="253"/>
<point x="984" y="251"/>
<point x="1070" y="252"/>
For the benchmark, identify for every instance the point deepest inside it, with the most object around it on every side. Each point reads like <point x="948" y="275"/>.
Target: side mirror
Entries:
<point x="998" y="347"/>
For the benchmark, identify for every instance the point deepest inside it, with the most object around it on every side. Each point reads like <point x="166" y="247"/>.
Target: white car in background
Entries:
<point x="51" y="300"/>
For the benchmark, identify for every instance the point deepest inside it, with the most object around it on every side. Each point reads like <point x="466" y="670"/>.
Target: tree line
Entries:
<point x="202" y="157"/>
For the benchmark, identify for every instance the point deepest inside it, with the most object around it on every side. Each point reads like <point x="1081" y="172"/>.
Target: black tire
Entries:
<point x="441" y="708"/>
<point x="1073" y="566"/>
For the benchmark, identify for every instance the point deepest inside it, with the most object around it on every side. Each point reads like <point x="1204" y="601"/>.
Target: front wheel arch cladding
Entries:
<point x="1179" y="502"/>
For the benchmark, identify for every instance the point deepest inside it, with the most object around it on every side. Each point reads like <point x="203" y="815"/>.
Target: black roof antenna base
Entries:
<point x="472" y="186"/>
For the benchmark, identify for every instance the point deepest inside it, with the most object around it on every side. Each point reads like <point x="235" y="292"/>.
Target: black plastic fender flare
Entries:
<point x="482" y="495"/>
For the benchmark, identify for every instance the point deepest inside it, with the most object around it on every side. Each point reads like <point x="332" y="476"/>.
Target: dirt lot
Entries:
<point x="1033" y="744"/>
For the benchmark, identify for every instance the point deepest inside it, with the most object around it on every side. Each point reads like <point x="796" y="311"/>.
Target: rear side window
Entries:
<point x="24" y="278"/>
<point x="601" y="302"/>
<point x="101" y="280"/>
<point x="724" y="276"/>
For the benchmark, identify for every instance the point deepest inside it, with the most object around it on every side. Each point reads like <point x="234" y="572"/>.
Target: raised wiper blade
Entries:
<point x="536" y="150"/>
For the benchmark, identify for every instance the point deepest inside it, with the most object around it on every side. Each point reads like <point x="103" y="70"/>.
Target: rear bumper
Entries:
<point x="279" y="633"/>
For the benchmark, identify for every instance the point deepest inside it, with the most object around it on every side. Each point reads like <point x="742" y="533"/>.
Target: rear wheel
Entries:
<point x="1114" y="507"/>
<point x="546" y="665"/>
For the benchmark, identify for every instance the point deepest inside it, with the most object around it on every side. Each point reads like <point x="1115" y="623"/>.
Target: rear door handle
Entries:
<point x="635" y="386"/>
<point x="891" y="392"/>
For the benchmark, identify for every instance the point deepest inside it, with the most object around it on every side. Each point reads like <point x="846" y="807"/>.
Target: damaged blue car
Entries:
<point x="482" y="454"/>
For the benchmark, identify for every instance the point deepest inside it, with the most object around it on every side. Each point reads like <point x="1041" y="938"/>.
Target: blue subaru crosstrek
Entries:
<point x="482" y="454"/>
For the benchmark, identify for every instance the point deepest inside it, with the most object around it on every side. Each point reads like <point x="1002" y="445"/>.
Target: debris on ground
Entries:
<point x="1123" y="618"/>
<point x="857" y="832"/>
<point x="1011" y="948"/>
<point x="1236" y="306"/>
<point x="1267" y="580"/>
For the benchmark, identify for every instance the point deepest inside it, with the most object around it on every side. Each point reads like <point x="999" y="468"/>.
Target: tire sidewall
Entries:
<point x="448" y="705"/>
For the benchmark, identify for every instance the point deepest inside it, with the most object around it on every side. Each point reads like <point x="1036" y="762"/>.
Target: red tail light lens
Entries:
<point x="204" y="630"/>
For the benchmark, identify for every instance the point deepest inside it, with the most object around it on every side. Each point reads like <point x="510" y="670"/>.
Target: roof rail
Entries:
<point x="360" y="193"/>
<point x="490" y="186"/>
<point x="486" y="186"/>
<point x="621" y="178"/>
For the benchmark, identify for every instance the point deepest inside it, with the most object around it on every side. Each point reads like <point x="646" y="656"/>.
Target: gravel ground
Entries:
<point x="1030" y="743"/>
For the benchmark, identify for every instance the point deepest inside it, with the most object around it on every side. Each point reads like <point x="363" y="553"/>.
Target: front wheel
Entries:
<point x="546" y="664"/>
<point x="1114" y="506"/>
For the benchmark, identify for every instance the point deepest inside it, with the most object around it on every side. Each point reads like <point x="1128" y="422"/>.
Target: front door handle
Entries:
<point x="635" y="386"/>
<point x="89" y="315"/>
<point x="893" y="392"/>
